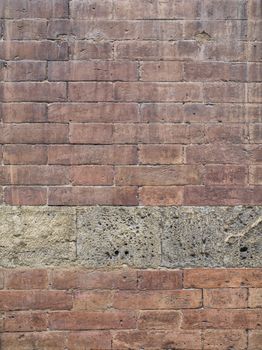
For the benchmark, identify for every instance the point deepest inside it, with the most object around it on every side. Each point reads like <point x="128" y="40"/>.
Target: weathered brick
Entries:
<point x="255" y="297"/>
<point x="226" y="175"/>
<point x="34" y="133"/>
<point x="89" y="340"/>
<point x="224" y="92"/>
<point x="92" y="300"/>
<point x="222" y="278"/>
<point x="85" y="50"/>
<point x="160" y="339"/>
<point x="32" y="91"/>
<point x="34" y="175"/>
<point x="221" y="319"/>
<point x="90" y="92"/>
<point x="255" y="133"/>
<point x="158" y="175"/>
<point x="211" y="195"/>
<point x="92" y="175"/>
<point x="161" y="71"/>
<point x="160" y="154"/>
<point x="255" y="72"/>
<point x="255" y="173"/>
<point x="91" y="133"/>
<point x="161" y="195"/>
<point x="226" y="298"/>
<point x="159" y="279"/>
<point x="254" y="340"/>
<point x="153" y="300"/>
<point x="99" y="70"/>
<point x="84" y="279"/>
<point x="33" y="9"/>
<point x="93" y="112"/>
<point x="23" y="112"/>
<point x="92" y="154"/>
<point x="21" y="71"/>
<point x="25" y="322"/>
<point x="165" y="320"/>
<point x="25" y="154"/>
<point x="91" y="10"/>
<point x="81" y="320"/>
<point x="26" y="29"/>
<point x="92" y="195"/>
<point x="35" y="300"/>
<point x="26" y="279"/>
<point x="222" y="339"/>
<point x="25" y="195"/>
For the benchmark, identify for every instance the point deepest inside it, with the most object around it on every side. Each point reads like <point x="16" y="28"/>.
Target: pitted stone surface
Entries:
<point x="212" y="236"/>
<point x="114" y="236"/>
<point x="136" y="236"/>
<point x="36" y="236"/>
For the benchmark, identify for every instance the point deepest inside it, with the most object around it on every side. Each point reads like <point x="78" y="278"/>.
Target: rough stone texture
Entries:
<point x="114" y="236"/>
<point x="37" y="236"/>
<point x="136" y="236"/>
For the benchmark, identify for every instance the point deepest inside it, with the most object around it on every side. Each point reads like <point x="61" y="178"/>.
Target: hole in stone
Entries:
<point x="116" y="252"/>
<point x="243" y="249"/>
<point x="126" y="252"/>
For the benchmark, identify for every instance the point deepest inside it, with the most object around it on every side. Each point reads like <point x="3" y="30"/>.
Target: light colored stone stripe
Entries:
<point x="137" y="236"/>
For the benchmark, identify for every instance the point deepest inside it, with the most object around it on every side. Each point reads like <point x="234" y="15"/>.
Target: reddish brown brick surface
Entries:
<point x="128" y="308"/>
<point x="142" y="83"/>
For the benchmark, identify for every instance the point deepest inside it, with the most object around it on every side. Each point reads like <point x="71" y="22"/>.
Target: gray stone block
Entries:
<point x="112" y="236"/>
<point x="31" y="236"/>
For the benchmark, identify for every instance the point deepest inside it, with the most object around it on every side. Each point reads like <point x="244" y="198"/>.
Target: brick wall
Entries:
<point x="125" y="106"/>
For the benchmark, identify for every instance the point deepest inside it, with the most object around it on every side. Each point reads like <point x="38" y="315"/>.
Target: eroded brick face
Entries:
<point x="120" y="102"/>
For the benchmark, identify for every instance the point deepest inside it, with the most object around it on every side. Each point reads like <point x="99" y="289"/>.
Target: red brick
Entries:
<point x="34" y="133"/>
<point x="158" y="175"/>
<point x="152" y="300"/>
<point x="231" y="298"/>
<point x="34" y="175"/>
<point x="25" y="195"/>
<point x="25" y="322"/>
<point x="161" y="71"/>
<point x="255" y="297"/>
<point x="21" y="71"/>
<point x="102" y="9"/>
<point x="81" y="320"/>
<point x="35" y="300"/>
<point x="144" y="92"/>
<point x="34" y="50"/>
<point x="227" y="133"/>
<point x="89" y="340"/>
<point x="92" y="195"/>
<point x="84" y="279"/>
<point x="165" y="320"/>
<point x="221" y="319"/>
<point x="99" y="70"/>
<point x="160" y="339"/>
<point x="226" y="175"/>
<point x="254" y="92"/>
<point x="158" y="133"/>
<point x="32" y="91"/>
<point x="91" y="133"/>
<point x="90" y="92"/>
<point x="92" y="175"/>
<point x="255" y="173"/>
<point x="224" y="92"/>
<point x="85" y="50"/>
<point x="94" y="154"/>
<point x="222" y="278"/>
<point x="23" y="112"/>
<point x="94" y="300"/>
<point x="255" y="132"/>
<point x="255" y="72"/>
<point x="228" y="50"/>
<point x="160" y="154"/>
<point x="38" y="340"/>
<point x="219" y="154"/>
<point x="161" y="195"/>
<point x="93" y="112"/>
<point x="35" y="9"/>
<point x="223" y="339"/>
<point x="26" y="279"/>
<point x="25" y="154"/>
<point x="201" y="195"/>
<point x="159" y="279"/>
<point x="26" y="29"/>
<point x="215" y="71"/>
<point x="255" y="340"/>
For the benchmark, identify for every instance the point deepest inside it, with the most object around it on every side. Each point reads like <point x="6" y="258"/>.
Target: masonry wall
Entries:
<point x="131" y="174"/>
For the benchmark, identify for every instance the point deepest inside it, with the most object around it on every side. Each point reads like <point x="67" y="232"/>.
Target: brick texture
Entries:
<point x="127" y="308"/>
<point x="130" y="102"/>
